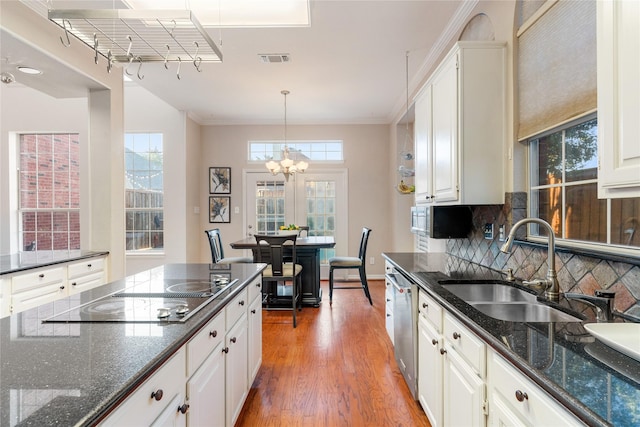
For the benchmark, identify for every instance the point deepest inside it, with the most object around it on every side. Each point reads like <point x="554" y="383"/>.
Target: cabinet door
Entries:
<point x="255" y="338"/>
<point x="206" y="392"/>
<point x="430" y="372"/>
<point x="422" y="142"/>
<point x="172" y="416"/>
<point x="463" y="394"/>
<point x="237" y="378"/>
<point x="501" y="414"/>
<point x="618" y="98"/>
<point x="445" y="131"/>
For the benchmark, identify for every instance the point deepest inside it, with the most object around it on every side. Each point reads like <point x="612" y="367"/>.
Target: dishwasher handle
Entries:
<point x="393" y="278"/>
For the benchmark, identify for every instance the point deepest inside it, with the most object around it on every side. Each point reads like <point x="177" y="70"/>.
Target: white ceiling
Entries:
<point x="347" y="67"/>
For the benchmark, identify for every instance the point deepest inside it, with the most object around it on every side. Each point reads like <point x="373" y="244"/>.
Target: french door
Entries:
<point x="318" y="200"/>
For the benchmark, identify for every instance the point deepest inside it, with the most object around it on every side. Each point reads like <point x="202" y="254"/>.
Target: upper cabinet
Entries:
<point x="460" y="128"/>
<point x="618" y="99"/>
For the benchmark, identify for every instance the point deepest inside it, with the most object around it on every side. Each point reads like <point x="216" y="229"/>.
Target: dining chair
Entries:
<point x="217" y="252"/>
<point x="271" y="249"/>
<point x="350" y="263"/>
<point x="305" y="229"/>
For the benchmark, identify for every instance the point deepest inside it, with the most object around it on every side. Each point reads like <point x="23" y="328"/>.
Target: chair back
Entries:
<point x="305" y="229"/>
<point x="276" y="250"/>
<point x="362" y="252"/>
<point x="215" y="242"/>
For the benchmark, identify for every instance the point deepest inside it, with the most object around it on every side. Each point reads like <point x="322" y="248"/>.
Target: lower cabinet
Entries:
<point x="517" y="401"/>
<point x="430" y="368"/>
<point x="207" y="381"/>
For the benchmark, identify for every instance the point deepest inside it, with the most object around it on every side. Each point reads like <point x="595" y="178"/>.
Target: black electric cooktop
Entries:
<point x="152" y="301"/>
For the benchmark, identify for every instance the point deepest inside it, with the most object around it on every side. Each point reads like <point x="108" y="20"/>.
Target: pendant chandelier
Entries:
<point x="286" y="166"/>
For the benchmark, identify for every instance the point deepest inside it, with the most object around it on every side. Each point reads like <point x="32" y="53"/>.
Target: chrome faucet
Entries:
<point x="550" y="283"/>
<point x="602" y="302"/>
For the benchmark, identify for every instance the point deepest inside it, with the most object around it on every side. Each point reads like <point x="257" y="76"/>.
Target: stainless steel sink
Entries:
<point x="524" y="312"/>
<point x="505" y="302"/>
<point x="489" y="292"/>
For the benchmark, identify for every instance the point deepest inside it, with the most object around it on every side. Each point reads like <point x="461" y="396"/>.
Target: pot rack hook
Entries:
<point x="66" y="22"/>
<point x="174" y="27"/>
<point x="126" y="70"/>
<point x="130" y="44"/>
<point x="140" y="76"/>
<point x="95" y="46"/>
<point x="179" y="64"/>
<point x="166" y="58"/>
<point x="197" y="60"/>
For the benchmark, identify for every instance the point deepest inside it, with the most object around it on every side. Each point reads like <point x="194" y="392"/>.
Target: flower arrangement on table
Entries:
<point x="289" y="227"/>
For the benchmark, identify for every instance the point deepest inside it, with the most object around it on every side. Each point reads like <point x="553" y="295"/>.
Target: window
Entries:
<point x="564" y="172"/>
<point x="144" y="191"/>
<point x="49" y="196"/>
<point x="316" y="151"/>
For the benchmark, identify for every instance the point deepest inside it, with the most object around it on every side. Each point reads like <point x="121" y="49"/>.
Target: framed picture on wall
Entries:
<point x="219" y="180"/>
<point x="219" y="209"/>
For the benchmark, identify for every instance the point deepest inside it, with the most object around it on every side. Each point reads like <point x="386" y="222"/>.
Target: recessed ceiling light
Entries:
<point x="29" y="70"/>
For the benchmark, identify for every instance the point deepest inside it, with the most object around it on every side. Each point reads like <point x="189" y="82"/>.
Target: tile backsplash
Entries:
<point x="576" y="272"/>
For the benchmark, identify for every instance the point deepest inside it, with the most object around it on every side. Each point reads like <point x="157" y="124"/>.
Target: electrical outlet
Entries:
<point x="488" y="231"/>
<point x="372" y="260"/>
<point x="501" y="233"/>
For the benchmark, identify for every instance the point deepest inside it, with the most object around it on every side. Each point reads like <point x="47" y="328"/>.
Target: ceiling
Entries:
<point x="348" y="67"/>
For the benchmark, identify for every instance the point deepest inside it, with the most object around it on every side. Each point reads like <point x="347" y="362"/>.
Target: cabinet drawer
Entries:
<point x="203" y="343"/>
<point x="140" y="408"/>
<point x="524" y="397"/>
<point x="84" y="283"/>
<point x="255" y="289"/>
<point x="236" y="308"/>
<point x="85" y="267"/>
<point x="465" y="343"/>
<point x="430" y="310"/>
<point x="25" y="282"/>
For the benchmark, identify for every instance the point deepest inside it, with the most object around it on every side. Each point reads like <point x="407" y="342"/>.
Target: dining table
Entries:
<point x="308" y="256"/>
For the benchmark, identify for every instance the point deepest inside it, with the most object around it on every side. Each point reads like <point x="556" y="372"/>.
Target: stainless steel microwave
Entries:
<point x="442" y="222"/>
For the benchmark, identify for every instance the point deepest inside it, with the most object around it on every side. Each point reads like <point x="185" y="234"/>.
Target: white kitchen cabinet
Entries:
<point x="5" y="296"/>
<point x="255" y="330"/>
<point x="85" y="275"/>
<point x="206" y="391"/>
<point x="236" y="376"/>
<point x="157" y="400"/>
<point x="516" y="401"/>
<point x="460" y="128"/>
<point x="37" y="287"/>
<point x="430" y="367"/>
<point x="618" y="39"/>
<point x="388" y="302"/>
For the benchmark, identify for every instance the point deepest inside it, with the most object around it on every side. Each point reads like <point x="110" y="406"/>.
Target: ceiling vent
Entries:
<point x="269" y="58"/>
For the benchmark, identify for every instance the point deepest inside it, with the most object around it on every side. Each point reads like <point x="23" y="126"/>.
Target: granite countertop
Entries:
<point x="74" y="373"/>
<point x="596" y="383"/>
<point x="22" y="261"/>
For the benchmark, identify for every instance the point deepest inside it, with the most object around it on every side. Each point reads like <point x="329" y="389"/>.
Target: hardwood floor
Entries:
<point x="336" y="368"/>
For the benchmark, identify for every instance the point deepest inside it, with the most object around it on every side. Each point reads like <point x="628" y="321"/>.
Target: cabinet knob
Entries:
<point x="425" y="305"/>
<point x="434" y="341"/>
<point x="233" y="340"/>
<point x="61" y="287"/>
<point x="157" y="395"/>
<point x="253" y="311"/>
<point x="388" y="300"/>
<point x="241" y="302"/>
<point x="74" y="284"/>
<point x="388" y="315"/>
<point x="521" y="396"/>
<point x="41" y="275"/>
<point x="258" y="285"/>
<point x="456" y="335"/>
<point x="183" y="408"/>
<point x="225" y="350"/>
<point x="443" y="351"/>
<point x="88" y="265"/>
<point x="213" y="334"/>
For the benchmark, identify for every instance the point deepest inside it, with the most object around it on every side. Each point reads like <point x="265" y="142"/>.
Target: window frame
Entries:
<point x="590" y="246"/>
<point x="305" y="147"/>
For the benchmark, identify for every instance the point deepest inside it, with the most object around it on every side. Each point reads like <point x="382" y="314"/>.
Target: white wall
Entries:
<point x="366" y="153"/>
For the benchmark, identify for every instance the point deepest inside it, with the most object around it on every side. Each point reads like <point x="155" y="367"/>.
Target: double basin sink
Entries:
<point x="505" y="302"/>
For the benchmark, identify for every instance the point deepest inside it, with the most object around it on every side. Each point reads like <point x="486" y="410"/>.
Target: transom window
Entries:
<point x="316" y="151"/>
<point x="564" y="173"/>
<point x="144" y="191"/>
<point x="49" y="183"/>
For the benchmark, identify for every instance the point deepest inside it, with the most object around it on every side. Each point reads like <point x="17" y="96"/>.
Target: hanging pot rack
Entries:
<point x="128" y="36"/>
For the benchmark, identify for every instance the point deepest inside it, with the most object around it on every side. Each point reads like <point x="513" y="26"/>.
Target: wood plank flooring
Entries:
<point x="336" y="368"/>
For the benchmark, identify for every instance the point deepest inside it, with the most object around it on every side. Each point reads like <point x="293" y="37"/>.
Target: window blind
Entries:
<point x="557" y="67"/>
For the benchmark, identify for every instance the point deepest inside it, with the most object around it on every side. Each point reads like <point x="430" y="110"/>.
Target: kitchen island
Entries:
<point x="595" y="384"/>
<point x="76" y="373"/>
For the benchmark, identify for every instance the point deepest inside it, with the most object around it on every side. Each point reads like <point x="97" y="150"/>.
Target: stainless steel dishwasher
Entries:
<point x="405" y="327"/>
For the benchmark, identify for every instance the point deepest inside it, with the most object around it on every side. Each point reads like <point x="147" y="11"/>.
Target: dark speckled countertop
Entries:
<point x="74" y="373"/>
<point x="596" y="383"/>
<point x="29" y="260"/>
